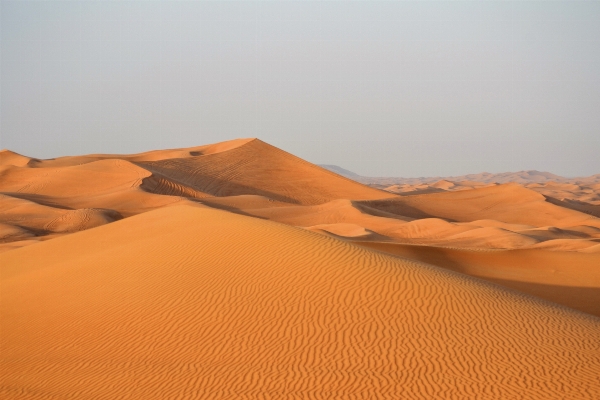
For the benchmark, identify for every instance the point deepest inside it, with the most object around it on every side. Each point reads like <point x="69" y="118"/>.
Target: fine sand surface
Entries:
<point x="193" y="302"/>
<point x="237" y="270"/>
<point x="563" y="277"/>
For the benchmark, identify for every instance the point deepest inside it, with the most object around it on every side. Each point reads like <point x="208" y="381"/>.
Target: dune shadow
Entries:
<point x="397" y="207"/>
<point x="210" y="185"/>
<point x="40" y="199"/>
<point x="576" y="205"/>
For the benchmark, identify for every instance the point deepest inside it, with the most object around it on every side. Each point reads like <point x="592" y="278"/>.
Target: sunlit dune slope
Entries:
<point x="8" y="157"/>
<point x="111" y="184"/>
<point x="154" y="155"/>
<point x="568" y="278"/>
<point x="256" y="168"/>
<point x="87" y="179"/>
<point x="192" y="302"/>
<point x="38" y="218"/>
<point x="510" y="203"/>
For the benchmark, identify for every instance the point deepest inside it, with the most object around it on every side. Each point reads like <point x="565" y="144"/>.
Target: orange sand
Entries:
<point x="191" y="302"/>
<point x="232" y="270"/>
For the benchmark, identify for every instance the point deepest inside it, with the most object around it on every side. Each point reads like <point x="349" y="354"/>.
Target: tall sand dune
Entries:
<point x="192" y="302"/>
<point x="257" y="168"/>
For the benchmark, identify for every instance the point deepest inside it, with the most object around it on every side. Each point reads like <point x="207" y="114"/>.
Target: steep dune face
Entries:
<point x="190" y="302"/>
<point x="510" y="203"/>
<point x="258" y="168"/>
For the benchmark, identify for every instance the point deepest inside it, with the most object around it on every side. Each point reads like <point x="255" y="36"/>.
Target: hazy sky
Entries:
<point x="380" y="88"/>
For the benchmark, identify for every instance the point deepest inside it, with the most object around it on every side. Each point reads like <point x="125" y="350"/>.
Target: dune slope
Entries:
<point x="192" y="302"/>
<point x="568" y="278"/>
<point x="510" y="203"/>
<point x="256" y="168"/>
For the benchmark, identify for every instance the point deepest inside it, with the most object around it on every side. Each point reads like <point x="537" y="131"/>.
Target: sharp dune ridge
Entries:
<point x="238" y="270"/>
<point x="160" y="305"/>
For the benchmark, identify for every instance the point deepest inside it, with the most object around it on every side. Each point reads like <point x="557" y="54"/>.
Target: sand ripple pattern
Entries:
<point x="195" y="303"/>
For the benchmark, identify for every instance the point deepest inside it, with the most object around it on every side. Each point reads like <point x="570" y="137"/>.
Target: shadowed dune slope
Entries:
<point x="257" y="168"/>
<point x="581" y="206"/>
<point x="510" y="203"/>
<point x="192" y="302"/>
<point x="43" y="219"/>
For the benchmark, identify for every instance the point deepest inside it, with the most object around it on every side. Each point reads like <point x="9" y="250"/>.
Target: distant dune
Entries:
<point x="195" y="302"/>
<point x="523" y="177"/>
<point x="237" y="270"/>
<point x="510" y="203"/>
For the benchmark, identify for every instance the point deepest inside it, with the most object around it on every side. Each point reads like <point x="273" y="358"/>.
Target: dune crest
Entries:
<point x="258" y="168"/>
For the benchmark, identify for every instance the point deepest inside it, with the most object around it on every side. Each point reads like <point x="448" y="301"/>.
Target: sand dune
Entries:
<point x="250" y="177"/>
<point x="13" y="233"/>
<point x="431" y="228"/>
<point x="490" y="237"/>
<point x="529" y="177"/>
<point x="509" y="203"/>
<point x="564" y="277"/>
<point x="589" y="246"/>
<point x="345" y="230"/>
<point x="577" y="205"/>
<point x="334" y="213"/>
<point x="192" y="302"/>
<point x="10" y="158"/>
<point x="91" y="178"/>
<point x="36" y="217"/>
<point x="232" y="270"/>
<point x="257" y="168"/>
<point x="154" y="155"/>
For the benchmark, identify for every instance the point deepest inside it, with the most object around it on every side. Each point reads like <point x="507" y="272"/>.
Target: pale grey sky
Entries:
<point x="405" y="88"/>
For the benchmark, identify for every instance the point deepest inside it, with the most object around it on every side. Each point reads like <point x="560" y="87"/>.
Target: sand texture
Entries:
<point x="162" y="305"/>
<point x="236" y="270"/>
